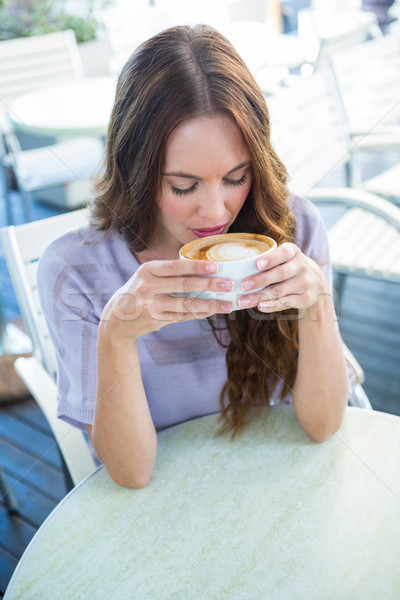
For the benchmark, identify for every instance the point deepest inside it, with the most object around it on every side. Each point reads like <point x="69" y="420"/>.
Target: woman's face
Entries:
<point x="206" y="179"/>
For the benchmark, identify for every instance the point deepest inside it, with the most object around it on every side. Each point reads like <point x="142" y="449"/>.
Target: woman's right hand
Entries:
<point x="147" y="302"/>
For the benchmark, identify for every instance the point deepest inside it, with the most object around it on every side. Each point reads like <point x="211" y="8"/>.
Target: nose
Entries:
<point x="212" y="205"/>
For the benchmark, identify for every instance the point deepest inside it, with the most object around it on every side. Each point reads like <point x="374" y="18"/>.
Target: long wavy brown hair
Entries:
<point x="182" y="73"/>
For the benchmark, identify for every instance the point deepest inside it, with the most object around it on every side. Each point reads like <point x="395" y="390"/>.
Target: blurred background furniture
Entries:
<point x="325" y="30"/>
<point x="367" y="86"/>
<point x="69" y="164"/>
<point x="367" y="76"/>
<point x="32" y="62"/>
<point x="23" y="246"/>
<point x="38" y="164"/>
<point x="270" y="56"/>
<point x="65" y="110"/>
<point x="309" y="137"/>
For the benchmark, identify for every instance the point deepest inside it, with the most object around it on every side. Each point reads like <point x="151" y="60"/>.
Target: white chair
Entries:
<point x="270" y="56"/>
<point x="367" y="78"/>
<point x="367" y="85"/>
<point x="324" y="31"/>
<point x="312" y="143"/>
<point x="39" y="172"/>
<point x="27" y="64"/>
<point x="33" y="62"/>
<point x="262" y="11"/>
<point x="23" y="246"/>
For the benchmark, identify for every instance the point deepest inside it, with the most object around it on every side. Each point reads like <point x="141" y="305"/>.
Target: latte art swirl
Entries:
<point x="227" y="247"/>
<point x="235" y="250"/>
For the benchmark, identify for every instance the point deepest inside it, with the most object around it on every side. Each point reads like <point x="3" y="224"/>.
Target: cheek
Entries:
<point x="241" y="196"/>
<point x="174" y="208"/>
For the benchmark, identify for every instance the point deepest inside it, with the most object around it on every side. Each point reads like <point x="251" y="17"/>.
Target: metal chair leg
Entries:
<point x="338" y="285"/>
<point x="6" y="493"/>
<point x="27" y="205"/>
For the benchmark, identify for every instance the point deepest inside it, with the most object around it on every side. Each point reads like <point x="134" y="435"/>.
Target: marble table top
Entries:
<point x="271" y="515"/>
<point x="78" y="107"/>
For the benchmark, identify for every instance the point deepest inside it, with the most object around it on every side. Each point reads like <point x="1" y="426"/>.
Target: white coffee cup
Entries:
<point x="235" y="254"/>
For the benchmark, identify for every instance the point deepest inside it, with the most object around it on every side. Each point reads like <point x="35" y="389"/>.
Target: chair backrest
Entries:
<point x="326" y="31"/>
<point x="307" y="131"/>
<point x="367" y="77"/>
<point x="32" y="62"/>
<point x="23" y="245"/>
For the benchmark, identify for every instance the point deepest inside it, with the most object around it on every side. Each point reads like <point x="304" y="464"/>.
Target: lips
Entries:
<point x="205" y="231"/>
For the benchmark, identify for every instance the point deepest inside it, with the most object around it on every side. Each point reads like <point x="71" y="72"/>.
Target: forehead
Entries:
<point x="205" y="139"/>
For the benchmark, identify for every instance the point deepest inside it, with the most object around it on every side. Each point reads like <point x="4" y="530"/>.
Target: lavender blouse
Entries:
<point x="183" y="367"/>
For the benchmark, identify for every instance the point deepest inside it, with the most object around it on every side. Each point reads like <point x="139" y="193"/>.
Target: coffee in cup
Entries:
<point x="236" y="255"/>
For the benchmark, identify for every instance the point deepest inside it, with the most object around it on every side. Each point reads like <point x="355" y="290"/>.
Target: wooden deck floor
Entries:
<point x="32" y="468"/>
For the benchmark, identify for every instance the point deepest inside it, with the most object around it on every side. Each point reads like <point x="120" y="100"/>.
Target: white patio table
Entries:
<point x="78" y="107"/>
<point x="271" y="515"/>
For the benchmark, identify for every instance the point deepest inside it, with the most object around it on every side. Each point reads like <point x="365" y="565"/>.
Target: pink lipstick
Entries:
<point x="205" y="231"/>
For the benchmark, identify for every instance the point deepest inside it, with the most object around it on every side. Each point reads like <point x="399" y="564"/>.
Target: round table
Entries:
<point x="81" y="106"/>
<point x="269" y="515"/>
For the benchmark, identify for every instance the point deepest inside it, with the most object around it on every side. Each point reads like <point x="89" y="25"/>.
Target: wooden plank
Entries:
<point x="369" y="331"/>
<point x="8" y="563"/>
<point x="37" y="474"/>
<point x="31" y="440"/>
<point x="29" y="412"/>
<point x="15" y="533"/>
<point x="33" y="506"/>
<point x="375" y="360"/>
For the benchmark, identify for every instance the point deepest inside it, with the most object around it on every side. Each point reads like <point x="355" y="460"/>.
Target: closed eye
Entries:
<point x="184" y="191"/>
<point x="234" y="182"/>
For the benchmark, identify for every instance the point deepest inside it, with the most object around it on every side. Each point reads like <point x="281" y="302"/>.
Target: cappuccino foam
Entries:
<point x="230" y="246"/>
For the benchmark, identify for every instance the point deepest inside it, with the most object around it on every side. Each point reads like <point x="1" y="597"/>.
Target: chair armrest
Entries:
<point x="383" y="139"/>
<point x="70" y="440"/>
<point x="358" y="397"/>
<point x="355" y="365"/>
<point x="351" y="197"/>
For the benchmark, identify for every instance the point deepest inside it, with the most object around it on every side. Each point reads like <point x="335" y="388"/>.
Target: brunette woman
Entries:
<point x="188" y="154"/>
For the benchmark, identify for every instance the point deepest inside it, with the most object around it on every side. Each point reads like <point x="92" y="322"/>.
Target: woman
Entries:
<point x="188" y="154"/>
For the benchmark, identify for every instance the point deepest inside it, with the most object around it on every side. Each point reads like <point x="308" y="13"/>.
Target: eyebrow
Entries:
<point x="189" y="176"/>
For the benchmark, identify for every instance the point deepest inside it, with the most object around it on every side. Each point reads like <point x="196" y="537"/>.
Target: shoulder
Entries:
<point x="85" y="249"/>
<point x="76" y="246"/>
<point x="305" y="212"/>
<point x="311" y="235"/>
<point x="83" y="259"/>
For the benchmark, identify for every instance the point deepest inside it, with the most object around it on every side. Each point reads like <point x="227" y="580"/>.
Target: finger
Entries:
<point x="281" y="272"/>
<point x="189" y="305"/>
<point x="198" y="284"/>
<point x="167" y="278"/>
<point x="174" y="268"/>
<point x="294" y="301"/>
<point x="156" y="286"/>
<point x="273" y="294"/>
<point x="282" y="254"/>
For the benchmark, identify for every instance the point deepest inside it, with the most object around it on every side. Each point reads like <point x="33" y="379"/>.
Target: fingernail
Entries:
<point x="226" y="286"/>
<point x="211" y="268"/>
<point x="243" y="302"/>
<point x="247" y="285"/>
<point x="262" y="263"/>
<point x="263" y="305"/>
<point x="226" y="307"/>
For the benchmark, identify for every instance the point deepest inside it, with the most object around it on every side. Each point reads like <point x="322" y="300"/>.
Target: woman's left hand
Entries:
<point x="289" y="278"/>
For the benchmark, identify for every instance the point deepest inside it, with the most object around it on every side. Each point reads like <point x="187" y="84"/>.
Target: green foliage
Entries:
<point x="23" y="18"/>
